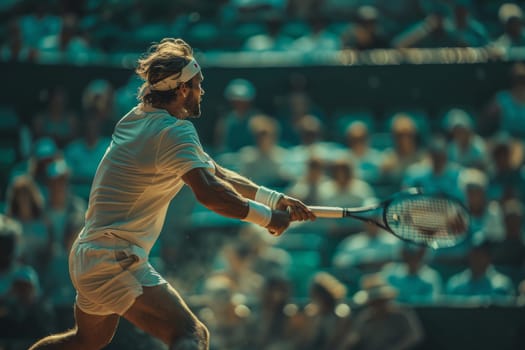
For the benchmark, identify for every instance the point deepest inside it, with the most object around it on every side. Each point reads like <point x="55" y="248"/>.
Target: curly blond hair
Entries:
<point x="163" y="59"/>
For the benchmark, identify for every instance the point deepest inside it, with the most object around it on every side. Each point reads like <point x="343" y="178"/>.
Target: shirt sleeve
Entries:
<point x="180" y="151"/>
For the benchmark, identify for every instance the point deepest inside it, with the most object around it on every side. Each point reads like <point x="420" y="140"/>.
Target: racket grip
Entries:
<point x="328" y="212"/>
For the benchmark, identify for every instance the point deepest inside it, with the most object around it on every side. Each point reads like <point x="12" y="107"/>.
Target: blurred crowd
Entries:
<point x="91" y="30"/>
<point x="330" y="284"/>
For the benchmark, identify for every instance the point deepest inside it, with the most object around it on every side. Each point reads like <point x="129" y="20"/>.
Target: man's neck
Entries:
<point x="174" y="110"/>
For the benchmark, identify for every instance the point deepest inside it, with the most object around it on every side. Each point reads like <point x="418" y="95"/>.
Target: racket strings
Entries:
<point x="435" y="222"/>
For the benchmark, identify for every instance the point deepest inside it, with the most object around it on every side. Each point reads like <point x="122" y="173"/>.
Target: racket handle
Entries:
<point x="328" y="212"/>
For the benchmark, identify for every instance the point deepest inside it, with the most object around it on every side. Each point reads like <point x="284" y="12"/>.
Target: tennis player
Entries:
<point x="154" y="151"/>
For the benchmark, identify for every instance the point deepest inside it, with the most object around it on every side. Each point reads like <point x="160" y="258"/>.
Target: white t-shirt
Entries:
<point x="139" y="174"/>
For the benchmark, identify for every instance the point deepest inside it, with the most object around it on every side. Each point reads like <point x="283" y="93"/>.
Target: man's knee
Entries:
<point x="203" y="334"/>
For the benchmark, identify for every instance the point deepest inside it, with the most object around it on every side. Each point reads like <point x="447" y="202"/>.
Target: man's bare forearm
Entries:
<point x="224" y="199"/>
<point x="241" y="184"/>
<point x="216" y="194"/>
<point x="220" y="196"/>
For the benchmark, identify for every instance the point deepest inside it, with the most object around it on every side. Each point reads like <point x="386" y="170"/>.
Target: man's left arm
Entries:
<point x="276" y="200"/>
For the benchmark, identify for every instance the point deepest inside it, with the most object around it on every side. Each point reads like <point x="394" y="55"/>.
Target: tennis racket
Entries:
<point x="434" y="221"/>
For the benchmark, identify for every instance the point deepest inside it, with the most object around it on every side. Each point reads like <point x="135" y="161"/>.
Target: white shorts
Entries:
<point x="109" y="273"/>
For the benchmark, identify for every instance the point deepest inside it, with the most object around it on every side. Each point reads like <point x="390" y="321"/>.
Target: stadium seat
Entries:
<point x="150" y="33"/>
<point x="203" y="35"/>
<point x="299" y="241"/>
<point x="303" y="265"/>
<point x="295" y="29"/>
<point x="243" y="31"/>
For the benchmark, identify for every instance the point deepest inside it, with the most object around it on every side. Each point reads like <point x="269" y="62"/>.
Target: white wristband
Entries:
<point x="258" y="213"/>
<point x="268" y="197"/>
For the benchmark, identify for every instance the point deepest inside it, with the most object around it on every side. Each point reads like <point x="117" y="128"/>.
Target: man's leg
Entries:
<point x="161" y="312"/>
<point x="91" y="332"/>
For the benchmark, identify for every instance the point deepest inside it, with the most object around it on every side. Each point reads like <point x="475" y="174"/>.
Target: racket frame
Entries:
<point x="341" y="212"/>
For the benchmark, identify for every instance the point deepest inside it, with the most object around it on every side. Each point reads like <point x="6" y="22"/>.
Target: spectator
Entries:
<point x="381" y="324"/>
<point x="38" y="24"/>
<point x="521" y="291"/>
<point x="486" y="219"/>
<point x="303" y="9"/>
<point x="63" y="207"/>
<point x="439" y="177"/>
<point x="23" y="313"/>
<point x="505" y="177"/>
<point x="67" y="46"/>
<point x="405" y="152"/>
<point x="265" y="162"/>
<point x="57" y="121"/>
<point x="367" y="160"/>
<point x="28" y="315"/>
<point x="511" y="251"/>
<point x="310" y="130"/>
<point x="26" y="204"/>
<point x="431" y="32"/>
<point x="414" y="280"/>
<point x="511" y="17"/>
<point x="126" y="95"/>
<point x="326" y="292"/>
<point x="56" y="284"/>
<point x="10" y="232"/>
<point x="259" y="7"/>
<point x="271" y="325"/>
<point x="345" y="188"/>
<point x="466" y="31"/>
<point x="481" y="281"/>
<point x="84" y="154"/>
<point x="269" y="260"/>
<point x="365" y="34"/>
<point x="307" y="187"/>
<point x="300" y="127"/>
<point x="273" y="39"/>
<point x="466" y="147"/>
<point x="15" y="49"/>
<point x="296" y="111"/>
<point x="238" y="258"/>
<point x="233" y="130"/>
<point x="319" y="39"/>
<point x="98" y="103"/>
<point x="227" y="13"/>
<point x="400" y="13"/>
<point x="225" y="315"/>
<point x="368" y="250"/>
<point x="506" y="112"/>
<point x="44" y="152"/>
<point x="338" y="10"/>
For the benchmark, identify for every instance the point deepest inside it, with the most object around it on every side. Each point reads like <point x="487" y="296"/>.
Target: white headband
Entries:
<point x="174" y="80"/>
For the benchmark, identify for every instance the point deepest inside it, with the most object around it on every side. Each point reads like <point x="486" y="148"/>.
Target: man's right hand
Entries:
<point x="279" y="222"/>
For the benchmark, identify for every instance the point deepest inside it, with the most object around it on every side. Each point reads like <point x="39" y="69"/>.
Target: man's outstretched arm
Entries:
<point x="248" y="189"/>
<point x="222" y="198"/>
<point x="241" y="184"/>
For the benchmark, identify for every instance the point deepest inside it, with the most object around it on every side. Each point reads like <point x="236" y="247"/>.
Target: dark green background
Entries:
<point x="432" y="87"/>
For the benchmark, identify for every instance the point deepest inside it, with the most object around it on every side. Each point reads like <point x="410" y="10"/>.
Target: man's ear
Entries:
<point x="183" y="89"/>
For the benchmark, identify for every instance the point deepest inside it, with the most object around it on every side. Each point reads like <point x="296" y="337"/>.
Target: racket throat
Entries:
<point x="368" y="215"/>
